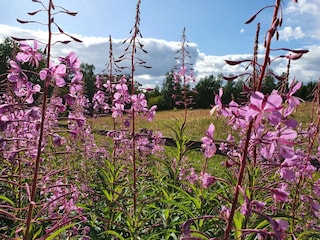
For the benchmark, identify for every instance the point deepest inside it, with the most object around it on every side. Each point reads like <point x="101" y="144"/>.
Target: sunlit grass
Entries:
<point x="198" y="121"/>
<point x="305" y="112"/>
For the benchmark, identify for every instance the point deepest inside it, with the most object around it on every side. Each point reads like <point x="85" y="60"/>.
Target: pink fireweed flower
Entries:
<point x="78" y="118"/>
<point x="71" y="61"/>
<point x="58" y="140"/>
<point x="30" y="91"/>
<point x="57" y="104"/>
<point x="29" y="54"/>
<point x="139" y="102"/>
<point x="225" y="212"/>
<point x="236" y="115"/>
<point x="287" y="171"/>
<point x="99" y="101"/>
<point x="258" y="205"/>
<point x="16" y="74"/>
<point x="151" y="113"/>
<point x="246" y="206"/>
<point x="193" y="177"/>
<point x="117" y="110"/>
<point x="281" y="140"/>
<point x="206" y="179"/>
<point x="293" y="101"/>
<point x="218" y="102"/>
<point x="264" y="106"/>
<point x="55" y="73"/>
<point x="182" y="173"/>
<point x="279" y="227"/>
<point x="108" y="85"/>
<point x="280" y="194"/>
<point x="76" y="83"/>
<point x="98" y="82"/>
<point x="121" y="92"/>
<point x="208" y="144"/>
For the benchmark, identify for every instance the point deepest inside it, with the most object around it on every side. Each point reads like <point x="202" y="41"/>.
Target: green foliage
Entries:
<point x="89" y="79"/>
<point x="268" y="84"/>
<point x="206" y="88"/>
<point x="164" y="204"/>
<point x="306" y="90"/>
<point x="159" y="101"/>
<point x="168" y="91"/>
<point x="6" y="51"/>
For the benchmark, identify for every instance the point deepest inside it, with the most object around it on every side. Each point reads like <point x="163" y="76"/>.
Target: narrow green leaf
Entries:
<point x="305" y="234"/>
<point x="35" y="236"/>
<point x="238" y="219"/>
<point x="181" y="207"/>
<point x="59" y="231"/>
<point x="113" y="233"/>
<point x="7" y="200"/>
<point x="107" y="194"/>
<point x="196" y="201"/>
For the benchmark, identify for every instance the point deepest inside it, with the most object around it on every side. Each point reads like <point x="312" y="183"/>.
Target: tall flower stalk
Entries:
<point x="42" y="122"/>
<point x="134" y="46"/>
<point x="252" y="128"/>
<point x="184" y="76"/>
<point x="51" y="75"/>
<point x="273" y="30"/>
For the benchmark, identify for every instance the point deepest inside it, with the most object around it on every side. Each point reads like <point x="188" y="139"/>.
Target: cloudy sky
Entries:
<point x="215" y="30"/>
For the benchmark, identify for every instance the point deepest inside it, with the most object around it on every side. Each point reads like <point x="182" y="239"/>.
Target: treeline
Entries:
<point x="205" y="89"/>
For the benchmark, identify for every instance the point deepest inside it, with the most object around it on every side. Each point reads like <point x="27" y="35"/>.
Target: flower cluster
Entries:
<point x="271" y="148"/>
<point x="23" y="87"/>
<point x="60" y="203"/>
<point x="205" y="179"/>
<point x="20" y="123"/>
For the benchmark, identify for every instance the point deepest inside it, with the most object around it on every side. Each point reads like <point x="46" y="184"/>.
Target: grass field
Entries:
<point x="198" y="121"/>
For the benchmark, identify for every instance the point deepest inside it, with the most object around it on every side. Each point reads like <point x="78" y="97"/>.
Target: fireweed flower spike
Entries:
<point x="71" y="61"/>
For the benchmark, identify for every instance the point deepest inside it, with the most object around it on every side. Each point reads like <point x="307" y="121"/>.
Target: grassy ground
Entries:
<point x="197" y="123"/>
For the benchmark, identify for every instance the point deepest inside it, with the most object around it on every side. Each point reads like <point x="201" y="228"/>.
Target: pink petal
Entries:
<point x="256" y="99"/>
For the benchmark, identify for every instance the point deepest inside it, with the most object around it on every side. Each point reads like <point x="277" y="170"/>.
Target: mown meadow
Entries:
<point x="66" y="174"/>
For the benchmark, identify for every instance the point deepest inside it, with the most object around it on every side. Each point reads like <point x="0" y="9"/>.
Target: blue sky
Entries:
<point x="214" y="28"/>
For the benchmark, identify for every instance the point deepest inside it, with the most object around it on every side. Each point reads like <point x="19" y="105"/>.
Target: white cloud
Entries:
<point x="305" y="15"/>
<point x="241" y="30"/>
<point x="307" y="68"/>
<point x="288" y="33"/>
<point x="304" y="7"/>
<point x="213" y="65"/>
<point x="161" y="57"/>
